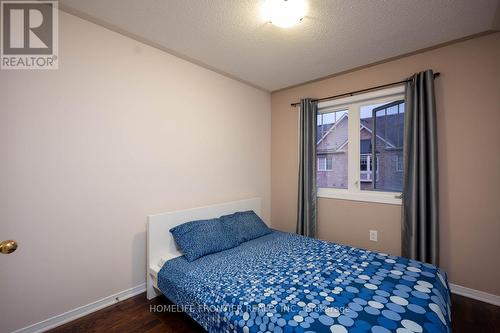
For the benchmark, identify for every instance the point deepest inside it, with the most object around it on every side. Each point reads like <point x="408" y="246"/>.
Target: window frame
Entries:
<point x="353" y="105"/>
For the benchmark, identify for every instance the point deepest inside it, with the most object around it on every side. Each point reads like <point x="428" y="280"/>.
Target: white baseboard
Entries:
<point x="82" y="311"/>
<point x="475" y="294"/>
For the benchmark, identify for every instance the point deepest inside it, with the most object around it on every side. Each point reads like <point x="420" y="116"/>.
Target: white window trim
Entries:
<point x="391" y="198"/>
<point x="353" y="104"/>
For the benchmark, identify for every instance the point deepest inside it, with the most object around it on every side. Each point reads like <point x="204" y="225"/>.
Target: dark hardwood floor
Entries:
<point x="134" y="315"/>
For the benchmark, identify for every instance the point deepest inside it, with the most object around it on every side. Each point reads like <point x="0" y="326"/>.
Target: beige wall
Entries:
<point x="468" y="102"/>
<point x="120" y="131"/>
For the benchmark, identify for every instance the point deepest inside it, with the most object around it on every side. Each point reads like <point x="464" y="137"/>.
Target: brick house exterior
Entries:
<point x="333" y="150"/>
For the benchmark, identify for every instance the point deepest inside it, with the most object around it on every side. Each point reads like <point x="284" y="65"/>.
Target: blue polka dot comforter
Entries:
<point x="289" y="283"/>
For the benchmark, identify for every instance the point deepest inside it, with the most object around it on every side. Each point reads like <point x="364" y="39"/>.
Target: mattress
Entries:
<point x="289" y="283"/>
<point x="153" y="271"/>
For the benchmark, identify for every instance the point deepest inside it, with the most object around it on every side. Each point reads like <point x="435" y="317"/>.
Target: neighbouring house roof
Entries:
<point x="387" y="129"/>
<point x="332" y="127"/>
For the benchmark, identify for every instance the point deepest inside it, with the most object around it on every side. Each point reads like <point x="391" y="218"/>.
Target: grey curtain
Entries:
<point x="420" y="217"/>
<point x="306" y="212"/>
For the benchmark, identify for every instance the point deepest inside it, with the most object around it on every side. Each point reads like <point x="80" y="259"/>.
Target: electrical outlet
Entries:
<point x="373" y="235"/>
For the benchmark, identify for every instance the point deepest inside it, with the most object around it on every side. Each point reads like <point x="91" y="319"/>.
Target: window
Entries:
<point x="382" y="124"/>
<point x="360" y="146"/>
<point x="332" y="149"/>
<point x="365" y="146"/>
<point x="398" y="163"/>
<point x="324" y="163"/>
<point x="366" y="169"/>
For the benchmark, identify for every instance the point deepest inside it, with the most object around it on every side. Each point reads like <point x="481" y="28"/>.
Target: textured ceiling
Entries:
<point x="231" y="37"/>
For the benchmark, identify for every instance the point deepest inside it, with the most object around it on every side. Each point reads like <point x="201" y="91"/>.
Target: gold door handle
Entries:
<point x="8" y="246"/>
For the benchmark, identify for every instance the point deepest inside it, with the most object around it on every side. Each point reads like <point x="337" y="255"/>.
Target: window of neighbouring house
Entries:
<point x="365" y="146"/>
<point x="332" y="153"/>
<point x="398" y="163"/>
<point x="324" y="163"/>
<point x="360" y="146"/>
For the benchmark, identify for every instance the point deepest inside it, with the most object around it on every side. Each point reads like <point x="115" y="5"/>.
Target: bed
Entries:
<point x="284" y="282"/>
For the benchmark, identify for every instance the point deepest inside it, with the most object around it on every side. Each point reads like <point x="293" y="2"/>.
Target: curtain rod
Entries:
<point x="360" y="91"/>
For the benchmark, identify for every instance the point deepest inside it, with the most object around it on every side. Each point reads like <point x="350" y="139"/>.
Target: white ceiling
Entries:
<point x="231" y="37"/>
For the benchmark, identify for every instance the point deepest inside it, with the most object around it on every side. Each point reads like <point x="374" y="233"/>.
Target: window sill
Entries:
<point x="391" y="198"/>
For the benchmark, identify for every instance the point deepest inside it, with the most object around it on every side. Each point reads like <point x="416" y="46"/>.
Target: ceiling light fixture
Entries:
<point x="284" y="13"/>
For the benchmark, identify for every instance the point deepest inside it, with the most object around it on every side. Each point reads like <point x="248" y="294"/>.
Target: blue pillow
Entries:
<point x="199" y="238"/>
<point x="245" y="226"/>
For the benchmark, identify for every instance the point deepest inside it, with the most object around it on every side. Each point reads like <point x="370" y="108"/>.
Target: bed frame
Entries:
<point x="160" y="242"/>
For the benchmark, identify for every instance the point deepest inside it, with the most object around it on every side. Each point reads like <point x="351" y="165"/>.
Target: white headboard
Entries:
<point x="160" y="242"/>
